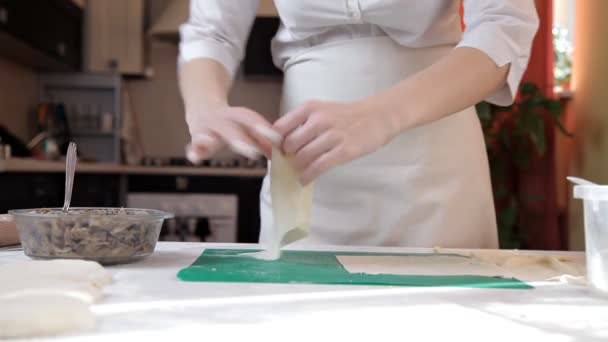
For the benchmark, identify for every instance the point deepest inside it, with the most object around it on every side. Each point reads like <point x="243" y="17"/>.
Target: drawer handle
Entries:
<point x="3" y="16"/>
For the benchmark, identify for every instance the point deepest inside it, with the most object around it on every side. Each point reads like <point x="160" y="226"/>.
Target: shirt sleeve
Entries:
<point x="504" y="30"/>
<point x="217" y="29"/>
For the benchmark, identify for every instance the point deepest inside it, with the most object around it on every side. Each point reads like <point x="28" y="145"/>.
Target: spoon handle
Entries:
<point x="70" y="168"/>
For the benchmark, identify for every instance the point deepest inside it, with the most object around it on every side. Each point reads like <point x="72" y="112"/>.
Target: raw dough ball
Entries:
<point x="43" y="314"/>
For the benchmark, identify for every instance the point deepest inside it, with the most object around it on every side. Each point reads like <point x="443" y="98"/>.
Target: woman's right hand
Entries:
<point x="244" y="131"/>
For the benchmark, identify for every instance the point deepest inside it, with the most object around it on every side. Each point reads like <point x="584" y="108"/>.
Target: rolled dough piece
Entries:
<point x="85" y="277"/>
<point x="49" y="297"/>
<point x="73" y="270"/>
<point x="43" y="314"/>
<point x="291" y="206"/>
<point x="18" y="286"/>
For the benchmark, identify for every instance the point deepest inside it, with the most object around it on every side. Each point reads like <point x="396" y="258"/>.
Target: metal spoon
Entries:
<point x="70" y="168"/>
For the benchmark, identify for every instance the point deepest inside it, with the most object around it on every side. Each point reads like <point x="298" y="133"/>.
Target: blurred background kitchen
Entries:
<point x="103" y="74"/>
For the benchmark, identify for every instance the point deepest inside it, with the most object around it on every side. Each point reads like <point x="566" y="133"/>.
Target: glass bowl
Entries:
<point x="106" y="235"/>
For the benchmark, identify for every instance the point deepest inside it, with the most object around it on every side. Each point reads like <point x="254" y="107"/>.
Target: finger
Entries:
<point x="263" y="145"/>
<point x="238" y="140"/>
<point x="195" y="155"/>
<point x="257" y="126"/>
<point x="325" y="162"/>
<point x="203" y="146"/>
<point x="293" y="119"/>
<point x="312" y="151"/>
<point x="304" y="134"/>
<point x="268" y="135"/>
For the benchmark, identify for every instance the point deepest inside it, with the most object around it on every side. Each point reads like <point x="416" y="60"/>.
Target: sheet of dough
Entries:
<point x="416" y="265"/>
<point x="528" y="267"/>
<point x="523" y="267"/>
<point x="291" y="207"/>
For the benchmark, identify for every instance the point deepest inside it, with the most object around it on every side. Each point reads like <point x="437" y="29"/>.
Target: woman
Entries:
<point x="377" y="109"/>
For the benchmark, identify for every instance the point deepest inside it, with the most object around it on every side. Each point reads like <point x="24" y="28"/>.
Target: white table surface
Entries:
<point x="147" y="302"/>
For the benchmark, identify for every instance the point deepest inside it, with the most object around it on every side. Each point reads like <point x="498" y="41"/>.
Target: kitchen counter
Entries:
<point x="42" y="166"/>
<point x="201" y="191"/>
<point x="148" y="301"/>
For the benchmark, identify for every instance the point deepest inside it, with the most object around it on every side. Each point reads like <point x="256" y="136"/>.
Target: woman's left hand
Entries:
<point x="320" y="135"/>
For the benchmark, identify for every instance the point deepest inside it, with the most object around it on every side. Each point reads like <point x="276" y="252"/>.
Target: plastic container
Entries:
<point x="106" y="235"/>
<point x="595" y="206"/>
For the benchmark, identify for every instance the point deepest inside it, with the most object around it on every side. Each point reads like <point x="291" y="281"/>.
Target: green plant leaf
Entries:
<point x="506" y="221"/>
<point x="536" y="100"/>
<point x="537" y="135"/>
<point x="508" y="216"/>
<point x="561" y="128"/>
<point x="484" y="110"/>
<point x="528" y="88"/>
<point x="554" y="107"/>
<point x="555" y="112"/>
<point x="510" y="146"/>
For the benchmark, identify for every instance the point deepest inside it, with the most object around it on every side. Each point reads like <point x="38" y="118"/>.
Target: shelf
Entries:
<point x="28" y="165"/>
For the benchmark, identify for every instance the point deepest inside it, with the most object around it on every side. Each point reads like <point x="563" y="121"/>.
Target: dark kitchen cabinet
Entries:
<point x="98" y="190"/>
<point x="46" y="34"/>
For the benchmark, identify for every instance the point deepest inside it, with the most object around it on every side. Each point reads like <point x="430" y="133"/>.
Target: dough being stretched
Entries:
<point x="291" y="207"/>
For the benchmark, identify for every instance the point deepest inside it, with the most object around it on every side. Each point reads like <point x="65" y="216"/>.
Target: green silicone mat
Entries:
<point x="308" y="267"/>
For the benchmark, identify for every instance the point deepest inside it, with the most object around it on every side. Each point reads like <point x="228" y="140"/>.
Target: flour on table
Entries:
<point x="291" y="207"/>
<point x="49" y="297"/>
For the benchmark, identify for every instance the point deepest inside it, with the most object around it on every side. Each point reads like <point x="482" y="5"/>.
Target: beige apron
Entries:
<point x="428" y="187"/>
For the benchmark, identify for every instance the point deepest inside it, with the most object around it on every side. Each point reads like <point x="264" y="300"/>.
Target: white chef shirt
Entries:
<point x="503" y="29"/>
